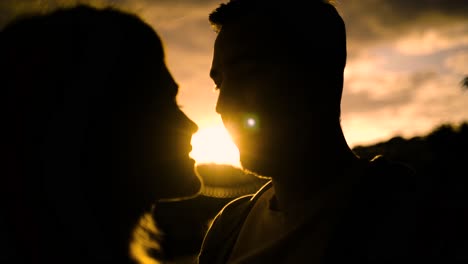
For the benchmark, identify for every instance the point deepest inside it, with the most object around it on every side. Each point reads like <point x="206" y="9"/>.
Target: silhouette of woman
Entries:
<point x="94" y="135"/>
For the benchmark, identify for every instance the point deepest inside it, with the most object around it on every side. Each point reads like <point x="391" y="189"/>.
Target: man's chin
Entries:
<point x="258" y="167"/>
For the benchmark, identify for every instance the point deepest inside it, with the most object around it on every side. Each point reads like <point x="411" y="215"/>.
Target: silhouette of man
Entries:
<point x="279" y="68"/>
<point x="94" y="137"/>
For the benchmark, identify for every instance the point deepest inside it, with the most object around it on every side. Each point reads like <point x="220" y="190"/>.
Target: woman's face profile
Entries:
<point x="160" y="137"/>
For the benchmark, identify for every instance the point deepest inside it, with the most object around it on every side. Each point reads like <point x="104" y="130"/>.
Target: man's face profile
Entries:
<point x="253" y="101"/>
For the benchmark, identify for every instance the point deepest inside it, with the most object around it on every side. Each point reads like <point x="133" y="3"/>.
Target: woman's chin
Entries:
<point x="188" y="192"/>
<point x="184" y="183"/>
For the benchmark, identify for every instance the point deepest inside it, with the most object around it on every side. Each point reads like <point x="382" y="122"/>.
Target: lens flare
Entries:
<point x="251" y="122"/>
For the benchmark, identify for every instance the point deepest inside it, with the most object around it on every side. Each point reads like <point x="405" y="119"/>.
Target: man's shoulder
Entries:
<point x="225" y="227"/>
<point x="383" y="165"/>
<point x="234" y="208"/>
<point x="390" y="218"/>
<point x="237" y="209"/>
<point x="386" y="175"/>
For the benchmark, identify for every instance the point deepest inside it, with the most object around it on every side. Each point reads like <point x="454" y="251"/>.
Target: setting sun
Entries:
<point x="214" y="145"/>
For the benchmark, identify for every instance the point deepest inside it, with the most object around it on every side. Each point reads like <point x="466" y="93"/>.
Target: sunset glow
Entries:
<point x="214" y="145"/>
<point x="402" y="75"/>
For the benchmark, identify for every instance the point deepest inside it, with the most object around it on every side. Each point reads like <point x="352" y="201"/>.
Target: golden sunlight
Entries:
<point x="214" y="145"/>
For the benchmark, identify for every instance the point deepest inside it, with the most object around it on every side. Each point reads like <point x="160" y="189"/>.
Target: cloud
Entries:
<point x="372" y="22"/>
<point x="458" y="62"/>
<point x="419" y="7"/>
<point x="374" y="82"/>
<point x="415" y="102"/>
<point x="405" y="63"/>
<point x="385" y="90"/>
<point x="166" y="11"/>
<point x="430" y="40"/>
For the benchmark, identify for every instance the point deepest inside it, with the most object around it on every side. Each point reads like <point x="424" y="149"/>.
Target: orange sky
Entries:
<point x="406" y="60"/>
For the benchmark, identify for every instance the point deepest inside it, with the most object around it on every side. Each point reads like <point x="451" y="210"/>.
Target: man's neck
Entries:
<point x="300" y="184"/>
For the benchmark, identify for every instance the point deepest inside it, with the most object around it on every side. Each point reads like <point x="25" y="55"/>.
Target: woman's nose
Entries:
<point x="192" y="126"/>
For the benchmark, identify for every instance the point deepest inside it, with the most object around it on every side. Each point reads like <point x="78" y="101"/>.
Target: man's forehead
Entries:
<point x="242" y="42"/>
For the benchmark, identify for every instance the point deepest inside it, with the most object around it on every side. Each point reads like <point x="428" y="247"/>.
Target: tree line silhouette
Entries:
<point x="440" y="156"/>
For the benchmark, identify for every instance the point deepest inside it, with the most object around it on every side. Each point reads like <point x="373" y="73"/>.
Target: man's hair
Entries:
<point x="318" y="17"/>
<point x="227" y="12"/>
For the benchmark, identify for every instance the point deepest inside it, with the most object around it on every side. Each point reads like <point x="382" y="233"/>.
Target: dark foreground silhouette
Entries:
<point x="92" y="138"/>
